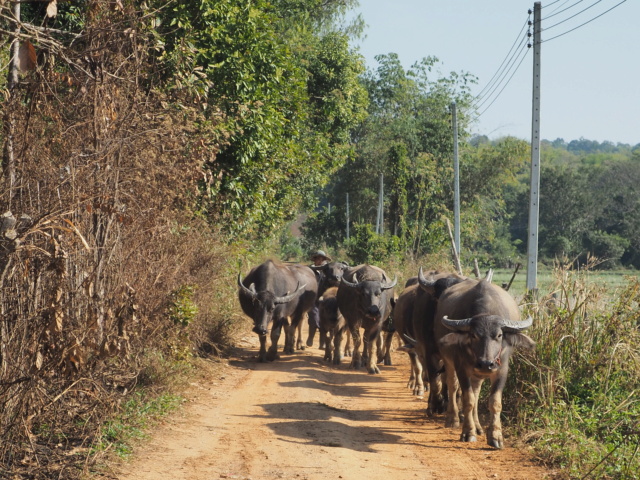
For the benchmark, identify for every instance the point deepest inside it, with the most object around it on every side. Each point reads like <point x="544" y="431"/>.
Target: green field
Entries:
<point x="548" y="281"/>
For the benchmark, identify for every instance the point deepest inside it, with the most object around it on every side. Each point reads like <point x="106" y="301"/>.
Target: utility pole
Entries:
<point x="380" y="219"/>
<point x="534" y="195"/>
<point x="456" y="179"/>
<point x="347" y="216"/>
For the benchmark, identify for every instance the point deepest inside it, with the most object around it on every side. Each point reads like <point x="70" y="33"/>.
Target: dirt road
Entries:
<point x="301" y="419"/>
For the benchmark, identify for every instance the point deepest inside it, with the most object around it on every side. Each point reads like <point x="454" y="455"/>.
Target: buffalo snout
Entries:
<point x="486" y="365"/>
<point x="374" y="311"/>
<point x="260" y="330"/>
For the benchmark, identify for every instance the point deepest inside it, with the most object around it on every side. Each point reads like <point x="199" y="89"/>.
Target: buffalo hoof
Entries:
<point x="468" y="437"/>
<point x="373" y="370"/>
<point x="288" y="350"/>
<point x="452" y="423"/>
<point x="348" y="353"/>
<point x="337" y="360"/>
<point x="494" y="439"/>
<point x="418" y="391"/>
<point x="387" y="361"/>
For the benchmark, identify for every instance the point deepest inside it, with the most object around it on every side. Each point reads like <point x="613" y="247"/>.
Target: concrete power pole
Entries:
<point x="347" y="216"/>
<point x="380" y="218"/>
<point x="456" y="180"/>
<point x="534" y="195"/>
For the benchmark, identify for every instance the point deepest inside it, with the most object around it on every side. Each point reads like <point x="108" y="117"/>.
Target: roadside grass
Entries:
<point x="576" y="399"/>
<point x="130" y="426"/>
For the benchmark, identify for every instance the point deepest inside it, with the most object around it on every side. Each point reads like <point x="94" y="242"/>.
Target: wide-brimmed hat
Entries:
<point x="320" y="254"/>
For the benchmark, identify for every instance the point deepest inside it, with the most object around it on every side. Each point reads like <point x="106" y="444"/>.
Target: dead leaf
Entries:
<point x="39" y="360"/>
<point x="52" y="9"/>
<point x="26" y="57"/>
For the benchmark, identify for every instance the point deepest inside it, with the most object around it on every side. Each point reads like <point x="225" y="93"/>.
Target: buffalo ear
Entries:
<point x="520" y="340"/>
<point x="453" y="339"/>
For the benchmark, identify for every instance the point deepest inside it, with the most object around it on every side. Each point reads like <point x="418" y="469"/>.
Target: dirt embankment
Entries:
<point x="299" y="418"/>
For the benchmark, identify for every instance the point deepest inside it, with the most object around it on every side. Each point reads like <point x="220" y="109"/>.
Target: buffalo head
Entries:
<point x="372" y="300"/>
<point x="265" y="303"/>
<point x="487" y="339"/>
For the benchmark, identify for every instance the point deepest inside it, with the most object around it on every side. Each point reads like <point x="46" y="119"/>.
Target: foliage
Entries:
<point x="580" y="404"/>
<point x="366" y="246"/>
<point x="285" y="100"/>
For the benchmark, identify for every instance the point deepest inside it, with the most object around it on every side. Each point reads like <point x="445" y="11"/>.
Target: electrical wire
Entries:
<point x="556" y="1"/>
<point x="558" y="7"/>
<point x="507" y="70"/>
<point x="505" y="85"/>
<point x="503" y="61"/>
<point x="563" y="10"/>
<point x="583" y="24"/>
<point x="572" y="16"/>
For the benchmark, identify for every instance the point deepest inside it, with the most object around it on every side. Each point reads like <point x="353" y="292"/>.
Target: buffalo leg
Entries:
<point x="356" y="359"/>
<point x="452" y="419"/>
<point x="348" y="351"/>
<point x="272" y="354"/>
<point x="368" y="348"/>
<point x="298" y="330"/>
<point x="262" y="355"/>
<point x="337" y="342"/>
<point x="469" y="433"/>
<point x="477" y="384"/>
<point x="494" y="431"/>
<point x="388" y="341"/>
<point x="329" y="336"/>
<point x="416" y="375"/>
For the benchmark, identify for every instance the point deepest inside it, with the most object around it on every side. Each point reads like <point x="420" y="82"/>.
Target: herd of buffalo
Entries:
<point x="454" y="327"/>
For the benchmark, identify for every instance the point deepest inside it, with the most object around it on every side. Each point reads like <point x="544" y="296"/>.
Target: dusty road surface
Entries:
<point x="301" y="419"/>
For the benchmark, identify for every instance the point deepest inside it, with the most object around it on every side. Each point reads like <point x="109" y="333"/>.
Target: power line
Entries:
<point x="556" y="1"/>
<point x="503" y="61"/>
<point x="572" y="16"/>
<point x="512" y="62"/>
<point x="558" y="7"/>
<point x="563" y="10"/>
<point x="583" y="24"/>
<point x="505" y="85"/>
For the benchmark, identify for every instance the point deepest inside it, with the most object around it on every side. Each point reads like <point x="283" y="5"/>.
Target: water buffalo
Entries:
<point x="477" y="326"/>
<point x="328" y="275"/>
<point x="273" y="293"/>
<point x="403" y="324"/>
<point x="431" y="287"/>
<point x="364" y="298"/>
<point x="333" y="326"/>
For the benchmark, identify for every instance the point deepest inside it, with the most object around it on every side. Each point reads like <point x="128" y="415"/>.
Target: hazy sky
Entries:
<point x="590" y="77"/>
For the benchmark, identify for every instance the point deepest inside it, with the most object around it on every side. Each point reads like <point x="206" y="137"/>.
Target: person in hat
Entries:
<point x="318" y="258"/>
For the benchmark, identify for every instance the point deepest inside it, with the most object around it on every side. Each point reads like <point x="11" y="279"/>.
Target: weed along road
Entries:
<point x="299" y="418"/>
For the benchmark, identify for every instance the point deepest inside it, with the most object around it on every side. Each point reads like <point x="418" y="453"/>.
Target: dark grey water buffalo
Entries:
<point x="477" y="327"/>
<point x="413" y="316"/>
<point x="333" y="325"/>
<point x="403" y="325"/>
<point x="273" y="293"/>
<point x="431" y="287"/>
<point x="364" y="298"/>
<point x="328" y="275"/>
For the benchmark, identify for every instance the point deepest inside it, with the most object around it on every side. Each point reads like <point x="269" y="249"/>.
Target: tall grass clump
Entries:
<point x="578" y="402"/>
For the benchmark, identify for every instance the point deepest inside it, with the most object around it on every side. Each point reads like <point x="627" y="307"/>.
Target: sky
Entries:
<point x="590" y="77"/>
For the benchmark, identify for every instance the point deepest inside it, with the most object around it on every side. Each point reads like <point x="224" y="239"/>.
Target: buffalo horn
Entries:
<point x="511" y="326"/>
<point x="461" y="325"/>
<point x="248" y="291"/>
<point x="387" y="286"/>
<point x="410" y="340"/>
<point x="423" y="281"/>
<point x="317" y="268"/>
<point x="349" y="284"/>
<point x="290" y="296"/>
